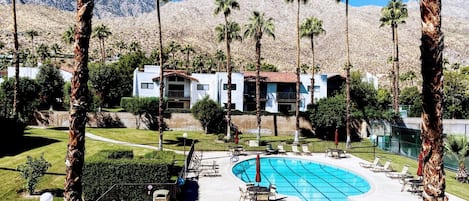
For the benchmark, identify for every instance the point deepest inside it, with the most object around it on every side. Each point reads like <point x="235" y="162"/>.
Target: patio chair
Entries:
<point x="399" y="175"/>
<point x="262" y="196"/>
<point x="281" y="150"/>
<point x="269" y="150"/>
<point x="294" y="149"/>
<point x="385" y="168"/>
<point x="305" y="150"/>
<point x="370" y="165"/>
<point x="272" y="192"/>
<point x="243" y="194"/>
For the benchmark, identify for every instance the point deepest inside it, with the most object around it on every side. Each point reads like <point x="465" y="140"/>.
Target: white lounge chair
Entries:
<point x="305" y="149"/>
<point x="385" y="168"/>
<point x="399" y="175"/>
<point x="273" y="192"/>
<point x="281" y="150"/>
<point x="370" y="165"/>
<point x="294" y="149"/>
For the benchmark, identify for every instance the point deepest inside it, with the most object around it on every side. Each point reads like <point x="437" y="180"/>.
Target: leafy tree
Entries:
<point x="456" y="91"/>
<point x="102" y="32"/>
<point x="143" y="107"/>
<point x="412" y="97"/>
<point x="328" y="114"/>
<point x="384" y="98"/>
<point x="51" y="82"/>
<point x="457" y="146"/>
<point x="393" y="14"/>
<point x="209" y="113"/>
<point x="257" y="27"/>
<point x="33" y="170"/>
<point x="110" y="84"/>
<point x="408" y="76"/>
<point x="310" y="28"/>
<point x="28" y="93"/>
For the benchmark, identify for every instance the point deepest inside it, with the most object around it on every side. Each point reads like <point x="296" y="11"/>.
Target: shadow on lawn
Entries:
<point x="26" y="143"/>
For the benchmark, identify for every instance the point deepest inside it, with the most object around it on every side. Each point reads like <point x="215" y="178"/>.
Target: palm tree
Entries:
<point x="120" y="45"/>
<point x="134" y="46"/>
<point x="160" y="57"/>
<point x="56" y="49"/>
<point x="31" y="34"/>
<point x="225" y="6"/>
<point x="348" y="66"/>
<point x="79" y="98"/>
<point x="220" y="57"/>
<point x="187" y="50"/>
<point x="68" y="36"/>
<point x="16" y="62"/>
<point x="393" y="14"/>
<point x="458" y="147"/>
<point x="173" y="47"/>
<point x="309" y="28"/>
<point x="43" y="52"/>
<point x="432" y="91"/>
<point x="298" y="65"/>
<point x="102" y="32"/>
<point x="256" y="28"/>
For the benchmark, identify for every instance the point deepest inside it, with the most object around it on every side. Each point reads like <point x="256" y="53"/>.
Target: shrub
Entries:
<point x="33" y="170"/>
<point x="146" y="107"/>
<point x="210" y="115"/>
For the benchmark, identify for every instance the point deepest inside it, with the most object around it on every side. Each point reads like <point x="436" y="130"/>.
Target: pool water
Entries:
<point x="305" y="179"/>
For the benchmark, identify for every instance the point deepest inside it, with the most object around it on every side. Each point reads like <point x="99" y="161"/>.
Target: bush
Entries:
<point x="32" y="171"/>
<point x="101" y="172"/>
<point x="146" y="107"/>
<point x="210" y="115"/>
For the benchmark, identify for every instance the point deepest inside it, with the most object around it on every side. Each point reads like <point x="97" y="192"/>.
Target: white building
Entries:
<point x="31" y="72"/>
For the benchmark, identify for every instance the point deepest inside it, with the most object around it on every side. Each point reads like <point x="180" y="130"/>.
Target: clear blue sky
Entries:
<point x="369" y="2"/>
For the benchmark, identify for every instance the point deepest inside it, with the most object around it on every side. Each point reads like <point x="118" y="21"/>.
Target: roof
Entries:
<point x="272" y="77"/>
<point x="176" y="73"/>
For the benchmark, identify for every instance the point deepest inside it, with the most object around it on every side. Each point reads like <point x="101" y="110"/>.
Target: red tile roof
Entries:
<point x="277" y="77"/>
<point x="176" y="73"/>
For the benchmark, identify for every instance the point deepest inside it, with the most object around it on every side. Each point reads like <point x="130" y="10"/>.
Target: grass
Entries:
<point x="54" y="152"/>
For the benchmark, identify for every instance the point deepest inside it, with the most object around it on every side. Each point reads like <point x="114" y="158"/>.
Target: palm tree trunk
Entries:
<point x="160" y="106"/>
<point x="432" y="90"/>
<point x="394" y="74"/>
<point x="103" y="52"/>
<point x="313" y="70"/>
<point x="297" y="111"/>
<point x="347" y="79"/>
<point x="79" y="99"/>
<point x="396" y="61"/>
<point x="228" y="69"/>
<point x="17" y="63"/>
<point x="258" y="89"/>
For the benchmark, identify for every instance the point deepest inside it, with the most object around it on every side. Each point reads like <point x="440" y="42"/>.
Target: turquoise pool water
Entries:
<point x="305" y="179"/>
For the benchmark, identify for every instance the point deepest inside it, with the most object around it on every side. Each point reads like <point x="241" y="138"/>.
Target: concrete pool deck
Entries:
<point x="226" y="186"/>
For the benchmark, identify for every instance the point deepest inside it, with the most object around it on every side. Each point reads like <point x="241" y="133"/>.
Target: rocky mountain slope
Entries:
<point x="192" y="22"/>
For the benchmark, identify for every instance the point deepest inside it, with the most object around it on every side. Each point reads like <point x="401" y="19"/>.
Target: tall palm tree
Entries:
<point x="102" y="32"/>
<point x="79" y="98"/>
<point x="393" y="14"/>
<point x="187" y="50"/>
<point x="31" y="34"/>
<point x="348" y="66"/>
<point x="310" y="28"/>
<point x="298" y="66"/>
<point x="257" y="27"/>
<point x="225" y="7"/>
<point x="432" y="90"/>
<point x="160" y="57"/>
<point x="15" y="61"/>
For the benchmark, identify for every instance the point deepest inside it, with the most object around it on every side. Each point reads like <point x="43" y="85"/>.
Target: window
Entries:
<point x="146" y="85"/>
<point x="202" y="87"/>
<point x="233" y="87"/>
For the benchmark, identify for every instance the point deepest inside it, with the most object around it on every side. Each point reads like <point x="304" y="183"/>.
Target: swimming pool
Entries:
<point x="305" y="179"/>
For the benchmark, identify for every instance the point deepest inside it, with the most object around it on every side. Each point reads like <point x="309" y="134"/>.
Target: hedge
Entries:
<point x="107" y="168"/>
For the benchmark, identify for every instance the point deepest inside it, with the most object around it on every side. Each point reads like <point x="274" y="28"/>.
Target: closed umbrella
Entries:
<point x="258" y="169"/>
<point x="236" y="139"/>
<point x="336" y="138"/>
<point x="420" y="167"/>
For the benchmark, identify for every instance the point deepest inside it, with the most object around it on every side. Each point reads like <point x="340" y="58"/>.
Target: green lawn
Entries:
<point x="54" y="142"/>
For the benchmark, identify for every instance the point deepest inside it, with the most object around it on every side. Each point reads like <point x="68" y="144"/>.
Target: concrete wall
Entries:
<point x="450" y="126"/>
<point x="185" y="121"/>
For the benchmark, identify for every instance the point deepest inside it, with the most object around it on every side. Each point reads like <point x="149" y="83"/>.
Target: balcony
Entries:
<point x="176" y="94"/>
<point x="286" y="95"/>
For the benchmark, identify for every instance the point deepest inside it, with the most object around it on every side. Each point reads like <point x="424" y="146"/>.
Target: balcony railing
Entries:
<point x="286" y="95"/>
<point x="176" y="94"/>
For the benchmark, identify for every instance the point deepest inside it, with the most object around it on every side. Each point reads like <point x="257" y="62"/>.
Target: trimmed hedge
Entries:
<point x="108" y="168"/>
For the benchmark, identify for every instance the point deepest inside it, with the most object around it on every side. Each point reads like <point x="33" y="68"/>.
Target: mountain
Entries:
<point x="192" y="22"/>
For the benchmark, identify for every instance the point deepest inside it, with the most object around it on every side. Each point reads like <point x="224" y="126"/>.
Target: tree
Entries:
<point x="298" y="65"/>
<point x="27" y="93"/>
<point x="456" y="91"/>
<point x="225" y="7"/>
<point x="15" y="61"/>
<point x="187" y="50"/>
<point x="432" y="89"/>
<point x="43" y="52"/>
<point x="221" y="58"/>
<point x="393" y="14"/>
<point x="257" y="27"/>
<point x="110" y="84"/>
<point x="310" y="28"/>
<point x="51" y="82"/>
<point x="68" y="35"/>
<point x="412" y="98"/>
<point x="102" y="32"/>
<point x="143" y="107"/>
<point x="348" y="66"/>
<point x="173" y="47"/>
<point x="79" y="99"/>
<point x="31" y="34"/>
<point x="120" y="45"/>
<point x="33" y="170"/>
<point x="209" y="113"/>
<point x="457" y="146"/>
<point x="56" y="49"/>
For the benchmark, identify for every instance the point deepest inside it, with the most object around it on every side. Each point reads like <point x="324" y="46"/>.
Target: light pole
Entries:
<point x="184" y="135"/>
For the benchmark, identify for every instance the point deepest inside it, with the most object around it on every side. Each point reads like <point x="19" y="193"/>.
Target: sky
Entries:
<point x="369" y="2"/>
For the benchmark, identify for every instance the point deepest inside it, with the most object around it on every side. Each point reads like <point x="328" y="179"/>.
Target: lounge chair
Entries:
<point x="294" y="149"/>
<point x="281" y="150"/>
<point x="262" y="196"/>
<point x="385" y="168"/>
<point x="305" y="150"/>
<point x="269" y="150"/>
<point x="399" y="175"/>
<point x="370" y="165"/>
<point x="243" y="194"/>
<point x="272" y="192"/>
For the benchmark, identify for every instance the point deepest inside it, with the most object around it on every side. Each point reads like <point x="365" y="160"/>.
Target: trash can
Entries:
<point x="161" y="195"/>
